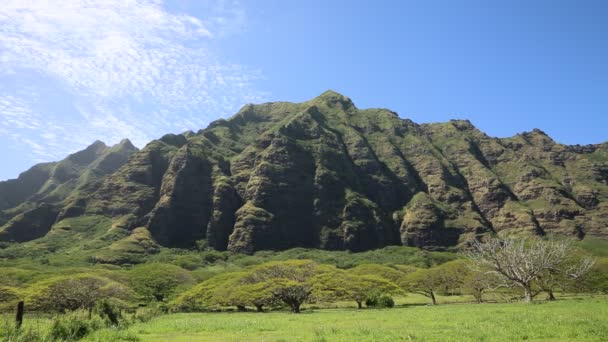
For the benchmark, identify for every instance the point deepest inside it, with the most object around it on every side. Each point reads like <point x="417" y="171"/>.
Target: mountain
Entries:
<point x="31" y="203"/>
<point x="320" y="174"/>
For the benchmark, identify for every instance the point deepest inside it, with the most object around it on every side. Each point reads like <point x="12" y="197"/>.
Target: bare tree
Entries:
<point x="477" y="282"/>
<point x="525" y="263"/>
<point x="564" y="277"/>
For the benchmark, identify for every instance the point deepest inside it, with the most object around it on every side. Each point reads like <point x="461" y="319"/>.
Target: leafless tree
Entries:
<point x="526" y="263"/>
<point x="476" y="282"/>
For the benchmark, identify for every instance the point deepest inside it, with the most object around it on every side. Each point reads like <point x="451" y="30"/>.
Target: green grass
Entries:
<point x="564" y="320"/>
<point x="595" y="246"/>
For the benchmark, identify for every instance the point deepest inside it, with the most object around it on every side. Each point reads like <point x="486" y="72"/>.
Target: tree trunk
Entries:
<point x="527" y="294"/>
<point x="259" y="308"/>
<point x="478" y="297"/>
<point x="241" y="308"/>
<point x="433" y="300"/>
<point x="359" y="305"/>
<point x="550" y="295"/>
<point x="295" y="308"/>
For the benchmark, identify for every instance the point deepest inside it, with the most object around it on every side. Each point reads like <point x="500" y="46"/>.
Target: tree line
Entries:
<point x="522" y="268"/>
<point x="515" y="269"/>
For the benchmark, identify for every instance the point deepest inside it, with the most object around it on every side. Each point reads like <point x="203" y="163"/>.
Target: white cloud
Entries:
<point x="16" y="112"/>
<point x="130" y="68"/>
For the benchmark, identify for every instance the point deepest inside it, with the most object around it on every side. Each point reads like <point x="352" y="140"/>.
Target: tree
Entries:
<point x="383" y="271"/>
<point x="425" y="282"/>
<point x="237" y="292"/>
<point x="476" y="283"/>
<point x="451" y="276"/>
<point x="292" y="292"/>
<point x="204" y="295"/>
<point x="406" y="269"/>
<point x="158" y="281"/>
<point x="258" y="295"/>
<point x="288" y="281"/>
<point x="446" y="278"/>
<point x="76" y="292"/>
<point x="526" y="263"/>
<point x="596" y="281"/>
<point x="344" y="285"/>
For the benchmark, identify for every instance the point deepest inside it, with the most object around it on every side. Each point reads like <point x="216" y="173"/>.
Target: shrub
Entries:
<point x="189" y="262"/>
<point x="202" y="245"/>
<point x="212" y="256"/>
<point x="145" y="314"/>
<point x="386" y="301"/>
<point x="380" y="301"/>
<point x="109" y="311"/>
<point x="8" y="332"/>
<point x="74" y="326"/>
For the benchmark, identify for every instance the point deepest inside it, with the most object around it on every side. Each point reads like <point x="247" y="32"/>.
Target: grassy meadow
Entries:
<point x="199" y="295"/>
<point x="564" y="320"/>
<point x="571" y="319"/>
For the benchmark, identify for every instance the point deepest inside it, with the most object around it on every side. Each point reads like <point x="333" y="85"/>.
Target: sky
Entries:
<point x="76" y="71"/>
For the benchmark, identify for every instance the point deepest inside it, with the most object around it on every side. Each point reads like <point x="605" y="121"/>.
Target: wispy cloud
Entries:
<point x="126" y="68"/>
<point x="16" y="112"/>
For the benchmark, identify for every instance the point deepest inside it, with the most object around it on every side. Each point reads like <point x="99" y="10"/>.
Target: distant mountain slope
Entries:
<point x="322" y="174"/>
<point x="30" y="204"/>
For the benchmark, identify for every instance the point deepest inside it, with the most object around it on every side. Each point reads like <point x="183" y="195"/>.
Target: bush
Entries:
<point x="145" y="314"/>
<point x="109" y="311"/>
<point x="74" y="326"/>
<point x="380" y="301"/>
<point x="8" y="332"/>
<point x="386" y="301"/>
<point x="189" y="262"/>
<point x="212" y="256"/>
<point x="371" y="301"/>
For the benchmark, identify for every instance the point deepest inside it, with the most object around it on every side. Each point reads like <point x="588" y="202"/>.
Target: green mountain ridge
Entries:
<point x="31" y="203"/>
<point x="318" y="174"/>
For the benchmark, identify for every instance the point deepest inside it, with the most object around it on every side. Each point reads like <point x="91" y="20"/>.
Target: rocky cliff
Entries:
<point x="322" y="174"/>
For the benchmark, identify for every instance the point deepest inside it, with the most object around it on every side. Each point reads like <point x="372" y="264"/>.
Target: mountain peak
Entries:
<point x="463" y="124"/>
<point x="126" y="144"/>
<point x="88" y="154"/>
<point x="538" y="132"/>
<point x="333" y="98"/>
<point x="97" y="144"/>
<point x="333" y="95"/>
<point x="534" y="133"/>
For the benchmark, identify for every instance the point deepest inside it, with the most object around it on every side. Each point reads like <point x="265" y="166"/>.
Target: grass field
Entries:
<point x="564" y="320"/>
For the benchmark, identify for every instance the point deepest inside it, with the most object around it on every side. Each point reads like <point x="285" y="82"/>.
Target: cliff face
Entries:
<point x="325" y="174"/>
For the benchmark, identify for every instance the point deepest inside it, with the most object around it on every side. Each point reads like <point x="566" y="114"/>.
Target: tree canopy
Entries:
<point x="158" y="281"/>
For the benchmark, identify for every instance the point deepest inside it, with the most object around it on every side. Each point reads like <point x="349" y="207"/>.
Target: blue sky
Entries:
<point x="75" y="71"/>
